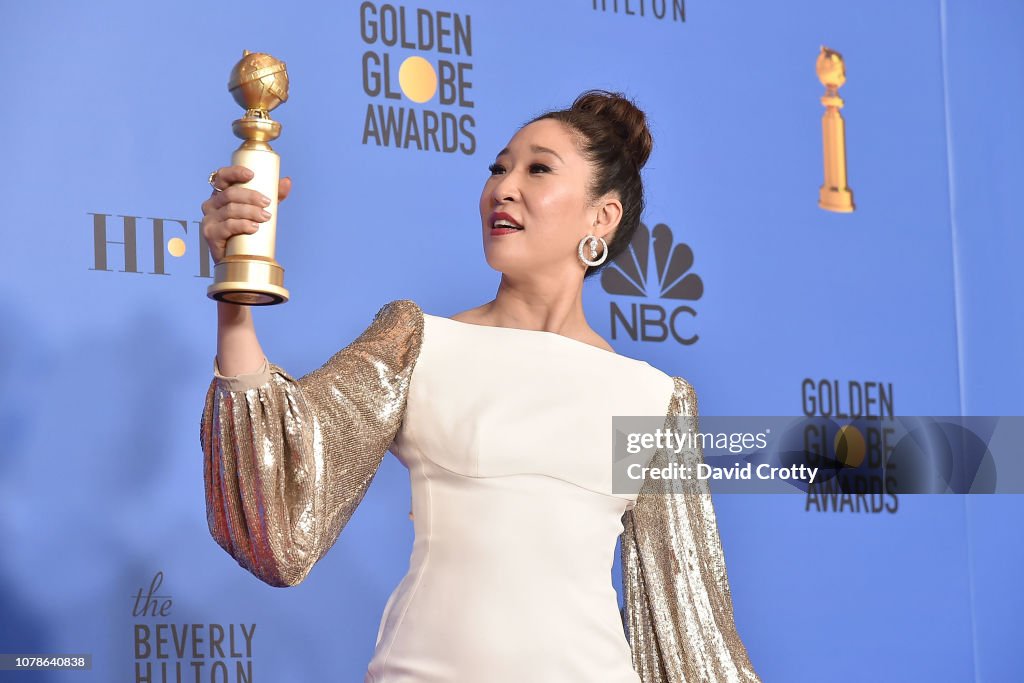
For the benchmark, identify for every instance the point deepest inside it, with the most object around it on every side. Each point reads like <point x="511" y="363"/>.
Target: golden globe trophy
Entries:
<point x="248" y="274"/>
<point x="834" y="194"/>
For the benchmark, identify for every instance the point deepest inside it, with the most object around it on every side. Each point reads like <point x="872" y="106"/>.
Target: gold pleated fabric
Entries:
<point x="679" y="614"/>
<point x="287" y="461"/>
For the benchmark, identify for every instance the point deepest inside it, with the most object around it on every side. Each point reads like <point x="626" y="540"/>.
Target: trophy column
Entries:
<point x="249" y="274"/>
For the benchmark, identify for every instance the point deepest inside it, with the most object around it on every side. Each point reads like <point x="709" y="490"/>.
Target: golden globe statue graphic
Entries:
<point x="248" y="274"/>
<point x="834" y="194"/>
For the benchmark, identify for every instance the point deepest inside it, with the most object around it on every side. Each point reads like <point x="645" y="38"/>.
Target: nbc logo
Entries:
<point x="634" y="273"/>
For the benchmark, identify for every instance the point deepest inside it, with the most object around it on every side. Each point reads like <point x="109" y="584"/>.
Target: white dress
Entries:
<point x="507" y="436"/>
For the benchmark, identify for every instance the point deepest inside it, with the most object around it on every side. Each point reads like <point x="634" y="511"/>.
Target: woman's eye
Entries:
<point x="496" y="169"/>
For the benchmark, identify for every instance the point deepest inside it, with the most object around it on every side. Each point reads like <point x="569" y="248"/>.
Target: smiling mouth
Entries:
<point x="505" y="223"/>
<point x="502" y="226"/>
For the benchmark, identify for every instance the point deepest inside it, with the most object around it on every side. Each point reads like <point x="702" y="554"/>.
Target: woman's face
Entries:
<point x="538" y="182"/>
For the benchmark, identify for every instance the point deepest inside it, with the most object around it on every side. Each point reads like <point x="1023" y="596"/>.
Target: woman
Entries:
<point x="501" y="415"/>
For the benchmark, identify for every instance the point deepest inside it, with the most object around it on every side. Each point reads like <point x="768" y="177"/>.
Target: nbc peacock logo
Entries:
<point x="654" y="266"/>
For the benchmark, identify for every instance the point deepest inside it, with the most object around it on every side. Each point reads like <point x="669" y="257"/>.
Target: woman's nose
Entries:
<point x="505" y="188"/>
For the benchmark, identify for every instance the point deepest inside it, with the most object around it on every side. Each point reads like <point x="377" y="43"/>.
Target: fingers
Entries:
<point x="229" y="175"/>
<point x="242" y="210"/>
<point x="232" y="209"/>
<point x="284" y="187"/>
<point x="238" y="194"/>
<point x="239" y="225"/>
<point x="218" y="232"/>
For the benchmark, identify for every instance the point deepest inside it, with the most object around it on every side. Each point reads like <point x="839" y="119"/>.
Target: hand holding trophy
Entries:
<point x="247" y="273"/>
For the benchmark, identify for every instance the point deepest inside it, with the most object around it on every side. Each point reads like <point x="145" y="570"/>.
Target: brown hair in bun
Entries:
<point x="613" y="135"/>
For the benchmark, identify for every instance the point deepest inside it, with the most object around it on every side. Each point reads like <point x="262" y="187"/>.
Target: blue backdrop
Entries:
<point x="116" y="112"/>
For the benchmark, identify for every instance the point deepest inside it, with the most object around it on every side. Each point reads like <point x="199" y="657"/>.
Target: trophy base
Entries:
<point x="248" y="280"/>
<point x="835" y="199"/>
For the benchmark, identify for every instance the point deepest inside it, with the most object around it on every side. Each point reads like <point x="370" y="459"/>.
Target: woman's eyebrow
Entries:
<point x="533" y="148"/>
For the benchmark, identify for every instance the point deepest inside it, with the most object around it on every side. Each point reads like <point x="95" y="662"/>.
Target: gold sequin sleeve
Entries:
<point x="287" y="461"/>
<point x="678" y="608"/>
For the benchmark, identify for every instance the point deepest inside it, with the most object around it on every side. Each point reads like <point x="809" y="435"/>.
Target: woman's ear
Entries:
<point x="608" y="216"/>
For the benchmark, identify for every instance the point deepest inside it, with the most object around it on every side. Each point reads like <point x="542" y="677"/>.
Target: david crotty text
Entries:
<point x="704" y="471"/>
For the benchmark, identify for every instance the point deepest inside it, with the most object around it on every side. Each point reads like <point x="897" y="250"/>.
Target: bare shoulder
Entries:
<point x="470" y="315"/>
<point x="597" y="340"/>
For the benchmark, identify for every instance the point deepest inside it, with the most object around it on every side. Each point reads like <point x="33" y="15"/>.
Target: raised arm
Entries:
<point x="287" y="461"/>
<point x="676" y="592"/>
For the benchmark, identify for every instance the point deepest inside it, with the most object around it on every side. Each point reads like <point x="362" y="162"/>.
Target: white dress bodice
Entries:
<point x="507" y="436"/>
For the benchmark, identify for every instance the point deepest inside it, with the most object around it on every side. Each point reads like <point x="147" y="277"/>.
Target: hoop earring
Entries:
<point x="593" y="250"/>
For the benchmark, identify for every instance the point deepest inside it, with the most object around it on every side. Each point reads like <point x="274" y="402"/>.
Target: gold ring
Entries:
<point x="210" y="180"/>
